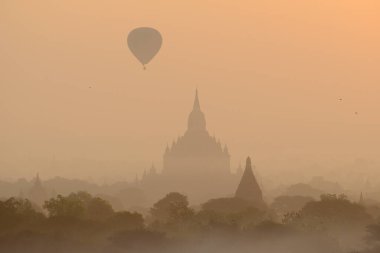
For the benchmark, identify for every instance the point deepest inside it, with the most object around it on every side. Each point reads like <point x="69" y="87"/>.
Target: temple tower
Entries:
<point x="249" y="189"/>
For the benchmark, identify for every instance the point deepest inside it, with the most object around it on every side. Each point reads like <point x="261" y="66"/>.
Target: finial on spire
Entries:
<point x="248" y="162"/>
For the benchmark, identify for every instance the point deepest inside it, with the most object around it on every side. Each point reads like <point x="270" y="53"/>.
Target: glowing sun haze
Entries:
<point x="291" y="83"/>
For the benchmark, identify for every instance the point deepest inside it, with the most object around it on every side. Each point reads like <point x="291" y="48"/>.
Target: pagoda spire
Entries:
<point x="196" y="121"/>
<point x="248" y="188"/>
<point x="196" y="106"/>
<point x="37" y="181"/>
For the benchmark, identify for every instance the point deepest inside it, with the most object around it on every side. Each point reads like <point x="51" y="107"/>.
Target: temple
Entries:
<point x="196" y="164"/>
<point x="249" y="189"/>
<point x="196" y="153"/>
<point x="37" y="193"/>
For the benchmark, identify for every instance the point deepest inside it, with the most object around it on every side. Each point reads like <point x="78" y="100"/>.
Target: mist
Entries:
<point x="270" y="75"/>
<point x="189" y="126"/>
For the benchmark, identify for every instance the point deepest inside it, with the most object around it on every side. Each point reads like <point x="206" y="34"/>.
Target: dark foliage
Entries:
<point x="82" y="223"/>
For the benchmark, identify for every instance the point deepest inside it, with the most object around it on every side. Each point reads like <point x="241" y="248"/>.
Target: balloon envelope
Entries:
<point x="144" y="43"/>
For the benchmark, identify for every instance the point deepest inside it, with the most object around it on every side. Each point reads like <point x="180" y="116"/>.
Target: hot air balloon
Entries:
<point x="144" y="43"/>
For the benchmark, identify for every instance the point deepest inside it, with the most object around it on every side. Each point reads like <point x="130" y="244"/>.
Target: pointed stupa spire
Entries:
<point x="196" y="106"/>
<point x="248" y="188"/>
<point x="37" y="181"/>
<point x="38" y="193"/>
<point x="196" y="121"/>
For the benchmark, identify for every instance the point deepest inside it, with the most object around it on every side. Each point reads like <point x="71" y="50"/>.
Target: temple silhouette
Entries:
<point x="196" y="164"/>
<point x="249" y="189"/>
<point x="38" y="193"/>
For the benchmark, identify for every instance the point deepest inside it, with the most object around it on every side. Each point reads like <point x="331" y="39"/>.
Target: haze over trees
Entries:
<point x="80" y="222"/>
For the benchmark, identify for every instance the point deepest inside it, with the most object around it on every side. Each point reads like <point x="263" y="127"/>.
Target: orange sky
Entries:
<point x="269" y="73"/>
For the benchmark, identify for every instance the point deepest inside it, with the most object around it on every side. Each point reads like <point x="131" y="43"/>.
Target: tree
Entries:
<point x="173" y="207"/>
<point x="80" y="205"/>
<point x="303" y="190"/>
<point x="17" y="212"/>
<point x="98" y="209"/>
<point x="373" y="233"/>
<point x="126" y="221"/>
<point x="333" y="213"/>
<point x="338" y="211"/>
<point x="269" y="229"/>
<point x="227" y="205"/>
<point x="288" y="204"/>
<point x="65" y="207"/>
<point x="231" y="212"/>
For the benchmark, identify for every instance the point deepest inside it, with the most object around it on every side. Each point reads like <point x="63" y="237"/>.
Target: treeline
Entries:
<point x="83" y="223"/>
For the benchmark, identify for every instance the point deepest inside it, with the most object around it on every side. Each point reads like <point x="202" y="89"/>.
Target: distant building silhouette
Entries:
<point x="196" y="164"/>
<point x="249" y="189"/>
<point x="149" y="177"/>
<point x="37" y="193"/>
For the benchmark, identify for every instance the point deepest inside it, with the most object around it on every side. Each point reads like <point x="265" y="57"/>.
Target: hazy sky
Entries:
<point x="270" y="74"/>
